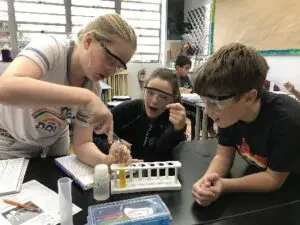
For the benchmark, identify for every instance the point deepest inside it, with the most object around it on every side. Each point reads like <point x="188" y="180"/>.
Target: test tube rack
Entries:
<point x="140" y="182"/>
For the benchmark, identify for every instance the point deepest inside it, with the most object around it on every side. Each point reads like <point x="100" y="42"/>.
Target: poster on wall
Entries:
<point x="271" y="26"/>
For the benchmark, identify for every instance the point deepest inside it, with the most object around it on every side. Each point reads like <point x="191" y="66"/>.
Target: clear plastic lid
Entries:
<point x="148" y="209"/>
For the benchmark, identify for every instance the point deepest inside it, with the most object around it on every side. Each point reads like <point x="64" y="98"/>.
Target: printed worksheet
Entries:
<point x="37" y="195"/>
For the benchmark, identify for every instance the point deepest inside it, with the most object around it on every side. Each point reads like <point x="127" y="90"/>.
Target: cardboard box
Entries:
<point x="175" y="48"/>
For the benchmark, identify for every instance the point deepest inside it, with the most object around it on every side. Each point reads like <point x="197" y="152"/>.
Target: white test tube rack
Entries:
<point x="142" y="183"/>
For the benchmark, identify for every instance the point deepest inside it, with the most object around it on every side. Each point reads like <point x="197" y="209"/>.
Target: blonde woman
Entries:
<point x="52" y="82"/>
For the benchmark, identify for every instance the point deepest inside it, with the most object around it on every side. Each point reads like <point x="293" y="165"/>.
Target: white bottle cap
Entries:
<point x="101" y="170"/>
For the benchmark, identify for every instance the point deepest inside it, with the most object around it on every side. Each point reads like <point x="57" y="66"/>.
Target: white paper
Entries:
<point x="193" y="97"/>
<point x="36" y="194"/>
<point x="12" y="172"/>
<point x="79" y="170"/>
<point x="114" y="103"/>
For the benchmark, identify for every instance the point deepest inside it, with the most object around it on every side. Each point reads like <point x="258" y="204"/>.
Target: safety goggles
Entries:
<point x="161" y="96"/>
<point x="218" y="102"/>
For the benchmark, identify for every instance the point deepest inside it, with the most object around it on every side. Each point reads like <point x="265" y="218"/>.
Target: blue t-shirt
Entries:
<point x="185" y="82"/>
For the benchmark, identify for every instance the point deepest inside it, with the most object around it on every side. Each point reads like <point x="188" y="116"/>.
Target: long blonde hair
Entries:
<point x="110" y="27"/>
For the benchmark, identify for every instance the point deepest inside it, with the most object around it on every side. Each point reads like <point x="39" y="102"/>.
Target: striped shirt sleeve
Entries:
<point x="43" y="50"/>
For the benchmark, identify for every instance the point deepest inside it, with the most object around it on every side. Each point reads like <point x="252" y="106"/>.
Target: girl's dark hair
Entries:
<point x="169" y="76"/>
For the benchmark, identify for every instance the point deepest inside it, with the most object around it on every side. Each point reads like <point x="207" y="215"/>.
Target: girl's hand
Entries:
<point x="177" y="115"/>
<point x="119" y="153"/>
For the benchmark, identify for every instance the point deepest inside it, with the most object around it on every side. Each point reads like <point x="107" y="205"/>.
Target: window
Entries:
<point x="3" y="11"/>
<point x="62" y="18"/>
<point x="5" y="42"/>
<point x="39" y="16"/>
<point x="84" y="11"/>
<point x="145" y="17"/>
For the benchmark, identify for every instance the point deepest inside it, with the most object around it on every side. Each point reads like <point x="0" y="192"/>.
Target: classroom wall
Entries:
<point x="133" y="68"/>
<point x="284" y="68"/>
<point x="281" y="67"/>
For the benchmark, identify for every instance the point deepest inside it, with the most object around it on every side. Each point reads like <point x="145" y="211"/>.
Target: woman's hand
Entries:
<point x="119" y="152"/>
<point x="100" y="118"/>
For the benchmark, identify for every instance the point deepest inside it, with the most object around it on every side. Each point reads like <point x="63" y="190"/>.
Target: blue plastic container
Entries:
<point x="148" y="210"/>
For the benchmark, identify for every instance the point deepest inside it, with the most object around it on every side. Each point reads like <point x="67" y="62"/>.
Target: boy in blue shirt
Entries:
<point x="183" y="65"/>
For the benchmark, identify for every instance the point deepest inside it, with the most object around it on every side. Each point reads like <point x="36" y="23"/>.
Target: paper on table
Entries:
<point x="82" y="174"/>
<point x="193" y="97"/>
<point x="114" y="103"/>
<point x="37" y="195"/>
<point x="12" y="172"/>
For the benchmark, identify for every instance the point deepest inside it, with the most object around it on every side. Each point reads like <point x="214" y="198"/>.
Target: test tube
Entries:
<point x="122" y="176"/>
<point x="65" y="200"/>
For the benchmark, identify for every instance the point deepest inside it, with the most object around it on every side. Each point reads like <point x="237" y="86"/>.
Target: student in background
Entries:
<point x="51" y="82"/>
<point x="182" y="66"/>
<point x="261" y="126"/>
<point x="151" y="127"/>
<point x="290" y="87"/>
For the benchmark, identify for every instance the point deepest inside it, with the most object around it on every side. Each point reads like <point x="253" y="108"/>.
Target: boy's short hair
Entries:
<point x="233" y="69"/>
<point x="183" y="60"/>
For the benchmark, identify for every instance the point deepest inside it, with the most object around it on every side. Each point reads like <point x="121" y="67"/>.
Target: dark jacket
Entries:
<point x="151" y="140"/>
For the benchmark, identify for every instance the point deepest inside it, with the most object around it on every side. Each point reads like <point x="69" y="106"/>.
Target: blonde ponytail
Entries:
<point x="110" y="27"/>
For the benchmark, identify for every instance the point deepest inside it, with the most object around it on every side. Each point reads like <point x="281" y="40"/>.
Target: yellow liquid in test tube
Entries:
<point x="122" y="176"/>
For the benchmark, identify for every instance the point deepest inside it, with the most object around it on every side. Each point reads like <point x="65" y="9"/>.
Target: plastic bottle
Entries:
<point x="101" y="182"/>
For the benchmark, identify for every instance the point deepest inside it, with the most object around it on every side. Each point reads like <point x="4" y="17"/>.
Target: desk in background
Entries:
<point x="117" y="100"/>
<point x="195" y="157"/>
<point x="104" y="90"/>
<point x="112" y="104"/>
<point x="194" y="100"/>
